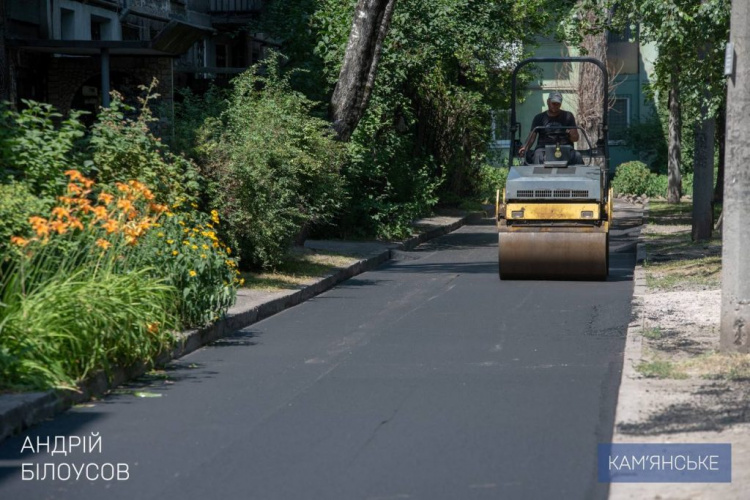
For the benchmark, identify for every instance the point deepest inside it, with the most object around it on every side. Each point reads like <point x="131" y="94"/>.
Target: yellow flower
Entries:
<point x="229" y="251"/>
<point x="175" y="252"/>
<point x="203" y="256"/>
<point x="103" y="244"/>
<point x="170" y="242"/>
<point x="193" y="273"/>
<point x="242" y="281"/>
<point x="160" y="234"/>
<point x="194" y="247"/>
<point x="215" y="216"/>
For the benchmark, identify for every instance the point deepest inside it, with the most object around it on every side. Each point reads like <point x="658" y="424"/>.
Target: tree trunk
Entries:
<point x="372" y="18"/>
<point x="735" y="275"/>
<point x="590" y="89"/>
<point x="703" y="169"/>
<point x="703" y="178"/>
<point x="4" y="77"/>
<point x="721" y="128"/>
<point x="674" y="179"/>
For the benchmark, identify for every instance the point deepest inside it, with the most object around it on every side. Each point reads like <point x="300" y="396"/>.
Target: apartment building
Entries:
<point x="71" y="53"/>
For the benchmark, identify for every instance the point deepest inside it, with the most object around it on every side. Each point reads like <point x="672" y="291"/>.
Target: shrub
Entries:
<point x="491" y="179"/>
<point x="17" y="204"/>
<point x="123" y="147"/>
<point x="186" y="253"/>
<point x="631" y="178"/>
<point x="35" y="150"/>
<point x="274" y="168"/>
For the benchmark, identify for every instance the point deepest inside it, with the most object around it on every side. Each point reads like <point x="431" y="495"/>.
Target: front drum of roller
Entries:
<point x="573" y="255"/>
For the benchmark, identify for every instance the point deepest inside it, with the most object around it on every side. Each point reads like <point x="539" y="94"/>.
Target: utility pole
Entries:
<point x="735" y="282"/>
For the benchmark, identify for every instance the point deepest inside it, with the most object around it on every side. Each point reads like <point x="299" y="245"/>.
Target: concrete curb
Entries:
<point x="627" y="402"/>
<point x="20" y="411"/>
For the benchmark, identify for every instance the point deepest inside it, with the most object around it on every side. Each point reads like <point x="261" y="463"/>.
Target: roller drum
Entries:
<point x="571" y="255"/>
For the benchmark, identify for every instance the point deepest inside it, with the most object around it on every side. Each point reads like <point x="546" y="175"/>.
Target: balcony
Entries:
<point x="225" y="7"/>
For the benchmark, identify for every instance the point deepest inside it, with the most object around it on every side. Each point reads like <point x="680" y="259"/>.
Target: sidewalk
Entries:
<point x="20" y="411"/>
<point x="679" y="410"/>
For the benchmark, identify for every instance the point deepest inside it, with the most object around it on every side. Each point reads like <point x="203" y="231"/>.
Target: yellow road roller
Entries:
<point x="553" y="218"/>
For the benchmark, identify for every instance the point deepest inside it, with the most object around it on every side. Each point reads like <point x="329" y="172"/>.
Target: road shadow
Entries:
<point x="712" y="408"/>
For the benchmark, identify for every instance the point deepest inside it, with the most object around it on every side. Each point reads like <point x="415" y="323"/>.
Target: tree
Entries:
<point x="735" y="288"/>
<point x="682" y="30"/>
<point x="372" y="19"/>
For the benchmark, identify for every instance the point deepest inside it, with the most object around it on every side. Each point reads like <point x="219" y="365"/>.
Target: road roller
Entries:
<point x="553" y="218"/>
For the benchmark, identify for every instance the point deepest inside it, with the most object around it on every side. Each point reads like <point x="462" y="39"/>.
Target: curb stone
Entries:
<point x="21" y="411"/>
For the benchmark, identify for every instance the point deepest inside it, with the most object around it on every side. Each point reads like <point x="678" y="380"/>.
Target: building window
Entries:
<point x="100" y="28"/>
<point x="619" y="119"/>
<point x="67" y="24"/>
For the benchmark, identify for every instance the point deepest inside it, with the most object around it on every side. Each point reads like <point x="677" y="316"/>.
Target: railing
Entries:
<point x="226" y="6"/>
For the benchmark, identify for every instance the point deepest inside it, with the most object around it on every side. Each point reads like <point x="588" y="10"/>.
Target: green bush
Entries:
<point x="635" y="178"/>
<point x="123" y="147"/>
<point x="17" y="204"/>
<point x="274" y="168"/>
<point x="492" y="179"/>
<point x="185" y="252"/>
<point x="36" y="150"/>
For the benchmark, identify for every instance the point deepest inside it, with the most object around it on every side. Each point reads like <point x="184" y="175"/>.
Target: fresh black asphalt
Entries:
<point x="428" y="378"/>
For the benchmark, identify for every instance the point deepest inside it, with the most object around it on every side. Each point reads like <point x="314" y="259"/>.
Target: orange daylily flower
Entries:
<point x="61" y="212"/>
<point x="59" y="226"/>
<point x="102" y="243"/>
<point x="100" y="212"/>
<point x="76" y="222"/>
<point x="110" y="226"/>
<point x="19" y="241"/>
<point x="106" y="198"/>
<point x="74" y="175"/>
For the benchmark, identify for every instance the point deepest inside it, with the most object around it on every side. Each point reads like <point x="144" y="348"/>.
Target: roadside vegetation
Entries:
<point x="106" y="251"/>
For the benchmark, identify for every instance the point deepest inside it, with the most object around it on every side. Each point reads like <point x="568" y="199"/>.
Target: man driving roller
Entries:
<point x="553" y="117"/>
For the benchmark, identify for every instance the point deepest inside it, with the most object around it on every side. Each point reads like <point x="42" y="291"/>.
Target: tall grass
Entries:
<point x="57" y="325"/>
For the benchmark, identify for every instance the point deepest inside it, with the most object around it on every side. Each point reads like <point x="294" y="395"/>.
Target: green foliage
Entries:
<point x="124" y="147"/>
<point x="185" y="253"/>
<point x="635" y="178"/>
<point x="37" y="146"/>
<point x="649" y="140"/>
<point x="274" y="168"/>
<point x="190" y="112"/>
<point x="492" y="179"/>
<point x="17" y="204"/>
<point x="77" y="322"/>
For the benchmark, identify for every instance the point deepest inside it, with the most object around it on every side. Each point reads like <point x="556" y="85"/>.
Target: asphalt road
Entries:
<point x="428" y="378"/>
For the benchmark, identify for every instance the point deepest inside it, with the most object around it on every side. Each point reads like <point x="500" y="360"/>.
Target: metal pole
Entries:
<point x="105" y="77"/>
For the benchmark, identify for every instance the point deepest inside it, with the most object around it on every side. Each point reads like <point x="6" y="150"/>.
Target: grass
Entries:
<point x="693" y="273"/>
<point x="718" y="366"/>
<point x="663" y="213"/>
<point x="653" y="333"/>
<point x="660" y="369"/>
<point x="299" y="268"/>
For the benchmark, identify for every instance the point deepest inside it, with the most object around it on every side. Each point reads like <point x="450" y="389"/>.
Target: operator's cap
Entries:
<point x="555" y="97"/>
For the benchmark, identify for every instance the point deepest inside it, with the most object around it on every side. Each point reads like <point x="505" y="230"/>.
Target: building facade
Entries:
<point x="71" y="53"/>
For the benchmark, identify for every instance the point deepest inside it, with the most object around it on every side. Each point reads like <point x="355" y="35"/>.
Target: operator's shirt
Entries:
<point x="564" y="119"/>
